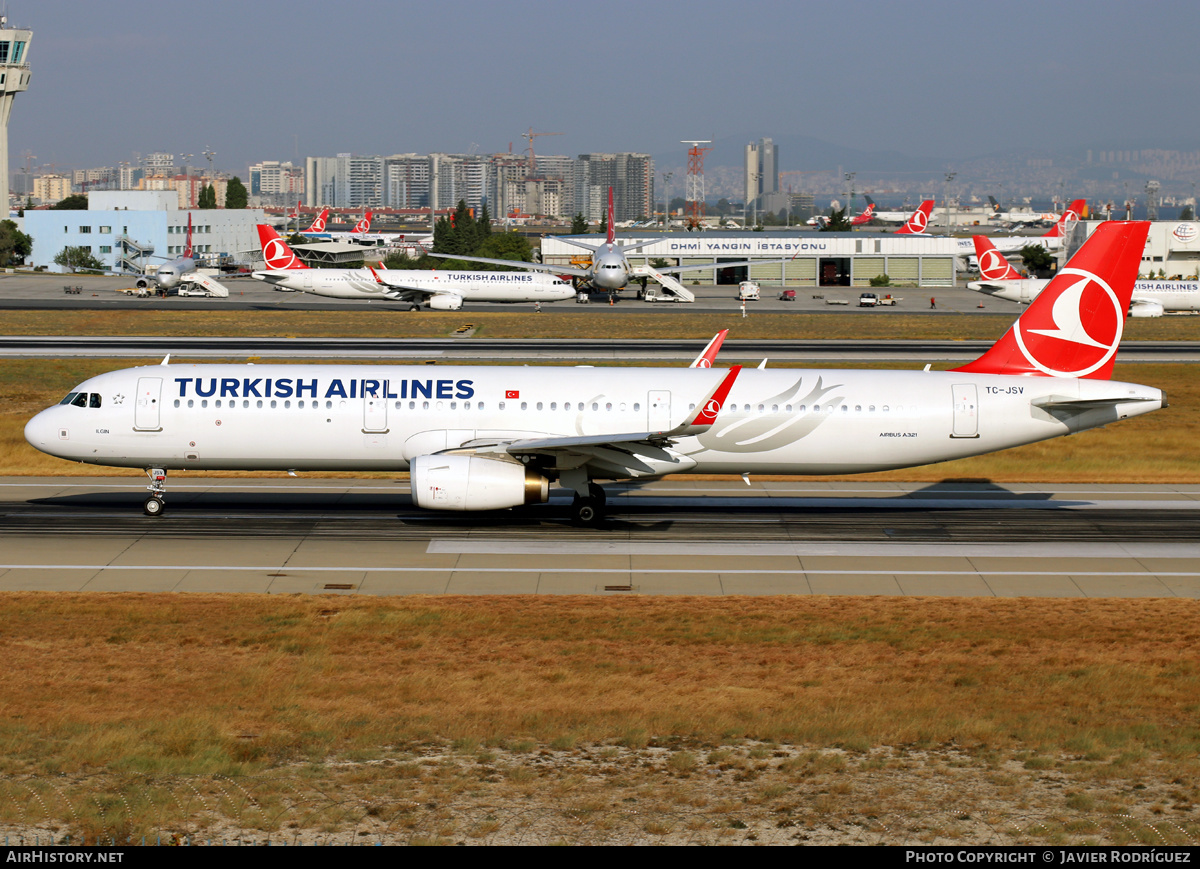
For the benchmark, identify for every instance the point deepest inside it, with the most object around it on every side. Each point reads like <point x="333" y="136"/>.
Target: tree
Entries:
<point x="1188" y="213"/>
<point x="78" y="257"/>
<point x="483" y="226"/>
<point x="74" y="202"/>
<point x="504" y="245"/>
<point x="235" y="194"/>
<point x="207" y="198"/>
<point x="14" y="244"/>
<point x="1036" y="258"/>
<point x="579" y="225"/>
<point x="837" y="222"/>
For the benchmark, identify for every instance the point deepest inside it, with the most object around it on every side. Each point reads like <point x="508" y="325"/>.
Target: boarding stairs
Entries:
<point x="672" y="286"/>
<point x="197" y="284"/>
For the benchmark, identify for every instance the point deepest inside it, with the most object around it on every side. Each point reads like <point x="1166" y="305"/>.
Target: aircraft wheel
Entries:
<point x="153" y="506"/>
<point x="587" y="512"/>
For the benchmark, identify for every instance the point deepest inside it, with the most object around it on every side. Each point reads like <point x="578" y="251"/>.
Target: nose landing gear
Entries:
<point x="154" y="505"/>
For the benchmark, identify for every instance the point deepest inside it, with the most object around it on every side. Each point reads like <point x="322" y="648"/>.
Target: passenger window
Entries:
<point x="454" y="405"/>
<point x="858" y="408"/>
<point x="191" y="402"/>
<point x="80" y="399"/>
<point x="300" y="404"/>
<point x="273" y="405"/>
<point x="259" y="403"/>
<point x="398" y="404"/>
<point x="871" y="409"/>
<point x="424" y="405"/>
<point x="553" y="405"/>
<point x="774" y="408"/>
<point x="502" y="405"/>
<point x="94" y="400"/>
<point x="622" y="406"/>
<point x="788" y="408"/>
<point x="329" y="405"/>
<point x="885" y="408"/>
<point x="204" y="402"/>
<point x="595" y="405"/>
<point x="287" y="404"/>
<point x="761" y="408"/>
<point x="608" y="406"/>
<point x="539" y="405"/>
<point x="245" y="402"/>
<point x="439" y="405"/>
<point x="637" y="406"/>
<point x="217" y="403"/>
<point x="177" y="402"/>
<point x="816" y="408"/>
<point x="412" y="405"/>
<point x="524" y="405"/>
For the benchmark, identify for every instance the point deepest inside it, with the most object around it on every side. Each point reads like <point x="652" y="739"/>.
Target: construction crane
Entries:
<point x="530" y="136"/>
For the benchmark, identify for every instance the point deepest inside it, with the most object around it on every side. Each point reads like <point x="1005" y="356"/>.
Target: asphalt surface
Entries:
<point x="676" y="536"/>
<point x="45" y="292"/>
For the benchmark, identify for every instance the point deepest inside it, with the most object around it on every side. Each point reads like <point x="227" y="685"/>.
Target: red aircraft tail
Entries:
<point x="276" y="253"/>
<point x="318" y="224"/>
<point x="363" y="225"/>
<point x="1067" y="219"/>
<point x="992" y="264"/>
<point x="187" y="251"/>
<point x="1073" y="327"/>
<point x="918" y="221"/>
<point x="612" y="215"/>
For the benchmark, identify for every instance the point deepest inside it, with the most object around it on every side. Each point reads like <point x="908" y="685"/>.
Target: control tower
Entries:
<point x="14" y="78"/>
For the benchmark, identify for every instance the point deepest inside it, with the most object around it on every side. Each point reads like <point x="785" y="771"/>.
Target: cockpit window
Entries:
<point x="80" y="399"/>
<point x="94" y="400"/>
<point x="70" y="398"/>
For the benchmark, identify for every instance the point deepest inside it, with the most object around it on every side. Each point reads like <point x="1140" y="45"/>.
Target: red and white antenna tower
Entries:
<point x="695" y="181"/>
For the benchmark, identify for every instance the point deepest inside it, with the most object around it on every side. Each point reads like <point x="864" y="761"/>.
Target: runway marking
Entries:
<point x="801" y="549"/>
<point x="593" y="570"/>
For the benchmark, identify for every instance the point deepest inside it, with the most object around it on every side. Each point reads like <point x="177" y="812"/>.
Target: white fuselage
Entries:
<point x="381" y="417"/>
<point x="1168" y="296"/>
<point x="168" y="275"/>
<point x="470" y="286"/>
<point x="610" y="268"/>
<point x="966" y="246"/>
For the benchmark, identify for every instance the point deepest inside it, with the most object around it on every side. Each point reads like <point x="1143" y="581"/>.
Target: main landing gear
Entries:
<point x="588" y="510"/>
<point x="158" y="489"/>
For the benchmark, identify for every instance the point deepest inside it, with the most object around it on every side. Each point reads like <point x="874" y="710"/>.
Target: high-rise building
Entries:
<point x="631" y="177"/>
<point x="320" y="185"/>
<point x="14" y="79"/>
<point x="272" y="178"/>
<point x="406" y="181"/>
<point x="762" y="169"/>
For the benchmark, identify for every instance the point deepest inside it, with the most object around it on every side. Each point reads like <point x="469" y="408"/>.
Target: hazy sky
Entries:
<point x="260" y="79"/>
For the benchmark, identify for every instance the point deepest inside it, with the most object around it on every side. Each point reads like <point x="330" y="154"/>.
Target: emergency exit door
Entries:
<point x="146" y="407"/>
<point x="966" y="410"/>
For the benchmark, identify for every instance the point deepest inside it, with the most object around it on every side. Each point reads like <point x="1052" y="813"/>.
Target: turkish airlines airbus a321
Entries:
<point x="495" y="437"/>
<point x="439" y="290"/>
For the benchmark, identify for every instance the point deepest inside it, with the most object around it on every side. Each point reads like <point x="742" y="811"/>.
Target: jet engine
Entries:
<point x="1146" y="309"/>
<point x="445" y="302"/>
<point x="447" y="482"/>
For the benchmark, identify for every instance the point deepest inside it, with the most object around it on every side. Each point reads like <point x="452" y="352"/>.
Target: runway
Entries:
<point x="677" y="536"/>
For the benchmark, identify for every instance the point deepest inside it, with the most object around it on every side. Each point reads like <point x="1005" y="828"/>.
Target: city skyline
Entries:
<point x="277" y="81"/>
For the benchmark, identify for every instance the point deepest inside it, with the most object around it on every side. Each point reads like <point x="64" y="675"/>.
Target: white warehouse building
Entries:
<point x="135" y="231"/>
<point x="793" y="260"/>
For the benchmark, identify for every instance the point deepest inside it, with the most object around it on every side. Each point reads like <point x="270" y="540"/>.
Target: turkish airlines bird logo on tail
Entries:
<point x="1067" y="219"/>
<point x="918" y="221"/>
<point x="276" y="254"/>
<point x="318" y="224"/>
<point x="363" y="225"/>
<point x="1073" y="327"/>
<point x="992" y="264"/>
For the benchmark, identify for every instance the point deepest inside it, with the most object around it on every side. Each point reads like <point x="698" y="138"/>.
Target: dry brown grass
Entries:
<point x="228" y="684"/>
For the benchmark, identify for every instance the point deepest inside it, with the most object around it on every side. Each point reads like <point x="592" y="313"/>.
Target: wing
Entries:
<point x="620" y="454"/>
<point x="518" y="264"/>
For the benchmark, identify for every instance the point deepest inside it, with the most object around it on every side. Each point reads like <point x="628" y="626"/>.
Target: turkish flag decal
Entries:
<point x="512" y="393"/>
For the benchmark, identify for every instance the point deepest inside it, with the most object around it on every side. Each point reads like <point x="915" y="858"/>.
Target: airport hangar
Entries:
<point x="135" y="231"/>
<point x="825" y="259"/>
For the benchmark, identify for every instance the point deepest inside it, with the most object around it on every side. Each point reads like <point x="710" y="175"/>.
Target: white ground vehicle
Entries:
<point x="748" y="291"/>
<point x="868" y="300"/>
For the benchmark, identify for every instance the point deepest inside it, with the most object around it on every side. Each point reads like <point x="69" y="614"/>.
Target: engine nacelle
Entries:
<point x="443" y="482"/>
<point x="1146" y="309"/>
<point x="143" y="283"/>
<point x="445" y="302"/>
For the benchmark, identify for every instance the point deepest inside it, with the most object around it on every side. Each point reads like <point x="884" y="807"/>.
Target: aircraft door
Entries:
<point x="375" y="414"/>
<point x="658" y="409"/>
<point x="146" y="407"/>
<point x="966" y="410"/>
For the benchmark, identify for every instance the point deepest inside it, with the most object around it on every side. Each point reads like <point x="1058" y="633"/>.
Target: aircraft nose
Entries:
<point x="41" y="431"/>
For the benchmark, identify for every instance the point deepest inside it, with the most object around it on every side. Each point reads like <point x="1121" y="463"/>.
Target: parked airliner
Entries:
<point x="1052" y="239"/>
<point x="439" y="290"/>
<point x="1150" y="298"/>
<point x="610" y="269"/>
<point x="491" y="437"/>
